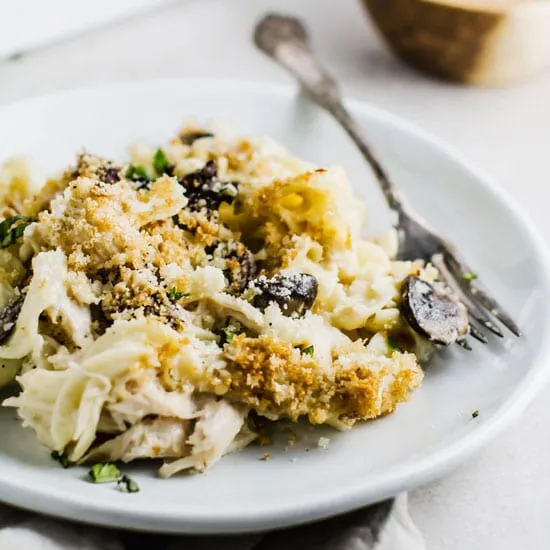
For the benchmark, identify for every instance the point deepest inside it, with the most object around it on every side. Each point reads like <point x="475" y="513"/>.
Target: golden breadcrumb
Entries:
<point x="277" y="380"/>
<point x="95" y="231"/>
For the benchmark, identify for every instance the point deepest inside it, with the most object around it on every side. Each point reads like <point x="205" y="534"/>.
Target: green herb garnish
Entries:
<point x="470" y="276"/>
<point x="138" y="173"/>
<point x="226" y="336"/>
<point x="104" y="473"/>
<point x="15" y="56"/>
<point x="390" y="343"/>
<point x="127" y="485"/>
<point x="309" y="350"/>
<point x="62" y="458"/>
<point x="161" y="164"/>
<point x="174" y="295"/>
<point x="12" y="228"/>
<point x="475" y="413"/>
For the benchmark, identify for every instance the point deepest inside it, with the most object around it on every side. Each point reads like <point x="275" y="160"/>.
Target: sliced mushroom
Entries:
<point x="433" y="311"/>
<point x="96" y="167"/>
<point x="8" y="317"/>
<point x="294" y="293"/>
<point x="100" y="322"/>
<point x="188" y="138"/>
<point x="204" y="190"/>
<point x="109" y="174"/>
<point x="240" y="264"/>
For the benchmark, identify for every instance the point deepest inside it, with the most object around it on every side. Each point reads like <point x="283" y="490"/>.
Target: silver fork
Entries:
<point x="286" y="40"/>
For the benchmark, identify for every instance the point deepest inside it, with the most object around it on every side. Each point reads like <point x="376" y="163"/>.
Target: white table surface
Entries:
<point x="27" y="24"/>
<point x="501" y="499"/>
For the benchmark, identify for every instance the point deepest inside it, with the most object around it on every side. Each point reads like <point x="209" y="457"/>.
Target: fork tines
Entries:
<point x="482" y="308"/>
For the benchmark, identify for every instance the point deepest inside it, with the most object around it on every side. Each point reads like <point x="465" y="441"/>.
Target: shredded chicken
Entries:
<point x="150" y="438"/>
<point x="142" y="395"/>
<point x="212" y="437"/>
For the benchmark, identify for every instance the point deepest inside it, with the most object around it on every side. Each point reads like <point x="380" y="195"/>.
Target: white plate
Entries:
<point x="424" y="439"/>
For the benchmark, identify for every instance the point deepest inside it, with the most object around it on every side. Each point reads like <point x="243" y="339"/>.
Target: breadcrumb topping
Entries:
<point x="277" y="380"/>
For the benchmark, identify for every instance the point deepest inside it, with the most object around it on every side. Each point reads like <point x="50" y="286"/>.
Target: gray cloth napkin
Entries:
<point x="383" y="526"/>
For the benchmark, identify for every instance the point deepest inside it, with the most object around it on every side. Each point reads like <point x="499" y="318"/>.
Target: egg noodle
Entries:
<point x="150" y="308"/>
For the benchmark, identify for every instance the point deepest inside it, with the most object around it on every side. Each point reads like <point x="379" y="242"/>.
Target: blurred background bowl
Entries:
<point x="474" y="42"/>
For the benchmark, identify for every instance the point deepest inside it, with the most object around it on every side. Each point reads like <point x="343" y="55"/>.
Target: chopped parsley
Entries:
<point x="127" y="485"/>
<point x="161" y="164"/>
<point x="475" y="413"/>
<point x="12" y="228"/>
<point x="226" y="336"/>
<point x="104" y="473"/>
<point x="62" y="458"/>
<point x="470" y="276"/>
<point x="174" y="295"/>
<point x="309" y="350"/>
<point x="16" y="56"/>
<point x="138" y="174"/>
<point x="391" y="344"/>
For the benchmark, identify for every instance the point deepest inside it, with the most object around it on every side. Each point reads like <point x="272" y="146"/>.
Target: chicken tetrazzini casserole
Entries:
<point x="155" y="309"/>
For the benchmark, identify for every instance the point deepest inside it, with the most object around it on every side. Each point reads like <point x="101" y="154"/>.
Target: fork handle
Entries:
<point x="297" y="57"/>
<point x="348" y="123"/>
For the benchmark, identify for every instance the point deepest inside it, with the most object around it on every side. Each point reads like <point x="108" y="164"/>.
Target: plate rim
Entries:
<point x="421" y="472"/>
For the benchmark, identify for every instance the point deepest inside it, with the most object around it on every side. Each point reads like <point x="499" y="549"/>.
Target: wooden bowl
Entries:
<point x="475" y="42"/>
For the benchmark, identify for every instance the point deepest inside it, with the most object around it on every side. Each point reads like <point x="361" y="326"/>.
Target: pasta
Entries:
<point x="157" y="304"/>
